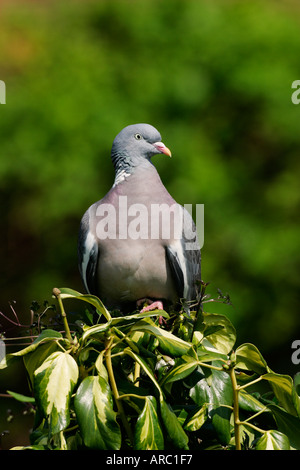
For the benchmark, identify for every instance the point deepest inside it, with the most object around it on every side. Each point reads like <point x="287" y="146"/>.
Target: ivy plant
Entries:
<point x="154" y="381"/>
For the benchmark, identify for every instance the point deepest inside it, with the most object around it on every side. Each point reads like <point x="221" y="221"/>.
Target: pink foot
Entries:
<point x="155" y="305"/>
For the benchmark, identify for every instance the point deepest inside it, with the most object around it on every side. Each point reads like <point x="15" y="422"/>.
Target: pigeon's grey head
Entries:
<point x="135" y="145"/>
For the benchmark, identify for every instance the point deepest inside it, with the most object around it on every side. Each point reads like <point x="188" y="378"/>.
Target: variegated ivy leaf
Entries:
<point x="95" y="414"/>
<point x="169" y="343"/>
<point x="66" y="293"/>
<point x="148" y="433"/>
<point x="171" y="422"/>
<point x="54" y="382"/>
<point x="197" y="420"/>
<point x="44" y="337"/>
<point x="273" y="440"/>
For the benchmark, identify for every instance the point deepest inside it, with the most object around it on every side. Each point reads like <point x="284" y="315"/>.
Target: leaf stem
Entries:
<point x="137" y="371"/>
<point x="209" y="366"/>
<point x="115" y="391"/>
<point x="132" y="395"/>
<point x="256" y="428"/>
<point x="241" y="387"/>
<point x="255" y="415"/>
<point x="56" y="293"/>
<point x="236" y="418"/>
<point x="246" y="423"/>
<point x="63" y="444"/>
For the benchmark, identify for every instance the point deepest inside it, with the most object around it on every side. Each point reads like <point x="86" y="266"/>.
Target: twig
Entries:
<point x="56" y="293"/>
<point x="115" y="391"/>
<point x="236" y="418"/>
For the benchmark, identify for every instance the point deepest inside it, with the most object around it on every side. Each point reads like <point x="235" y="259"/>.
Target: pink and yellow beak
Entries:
<point x="162" y="148"/>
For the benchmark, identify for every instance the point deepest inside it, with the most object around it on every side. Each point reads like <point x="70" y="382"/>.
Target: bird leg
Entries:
<point x="151" y="306"/>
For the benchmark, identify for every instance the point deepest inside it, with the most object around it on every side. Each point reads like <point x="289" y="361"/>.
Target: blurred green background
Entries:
<point x="215" y="78"/>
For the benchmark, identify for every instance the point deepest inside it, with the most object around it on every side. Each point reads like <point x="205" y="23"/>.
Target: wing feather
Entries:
<point x="88" y="253"/>
<point x="184" y="258"/>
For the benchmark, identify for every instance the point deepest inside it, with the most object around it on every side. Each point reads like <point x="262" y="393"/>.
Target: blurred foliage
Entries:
<point x="215" y="78"/>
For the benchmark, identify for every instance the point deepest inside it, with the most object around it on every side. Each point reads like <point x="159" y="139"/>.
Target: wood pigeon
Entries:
<point x="137" y="244"/>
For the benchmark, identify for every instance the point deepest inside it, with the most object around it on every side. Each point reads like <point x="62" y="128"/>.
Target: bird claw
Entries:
<point x="157" y="305"/>
<point x="153" y="306"/>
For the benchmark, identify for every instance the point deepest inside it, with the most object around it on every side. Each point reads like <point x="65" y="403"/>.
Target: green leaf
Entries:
<point x="101" y="369"/>
<point x="168" y="342"/>
<point x="206" y="355"/>
<point x="297" y="382"/>
<point x="248" y="357"/>
<point x="144" y="366"/>
<point x="66" y="293"/>
<point x="273" y="440"/>
<point x="102" y="328"/>
<point x="218" y="331"/>
<point x="148" y="434"/>
<point x="140" y="338"/>
<point x="138" y="316"/>
<point x="21" y="398"/>
<point x="54" y="382"/>
<point x="45" y="336"/>
<point x="197" y="420"/>
<point x="172" y="425"/>
<point x="34" y="360"/>
<point x="201" y="392"/>
<point x="180" y="372"/>
<point x="284" y="391"/>
<point x="222" y="399"/>
<point x="248" y="402"/>
<point x="96" y="416"/>
<point x="120" y="321"/>
<point x="287" y="424"/>
<point x="29" y="448"/>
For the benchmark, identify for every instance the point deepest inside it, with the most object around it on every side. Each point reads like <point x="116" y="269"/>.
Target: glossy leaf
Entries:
<point x="119" y="321"/>
<point x="284" y="391"/>
<point x="34" y="360"/>
<point x="54" y="382"/>
<point x="201" y="392"/>
<point x="172" y="425"/>
<point x="148" y="433"/>
<point x="169" y="343"/>
<point x="45" y="336"/>
<point x="138" y="316"/>
<point x="207" y="355"/>
<point x="95" y="414"/>
<point x="144" y="366"/>
<point x="218" y="331"/>
<point x="248" y="402"/>
<point x="197" y="420"/>
<point x="249" y="358"/>
<point x="273" y="440"/>
<point x="66" y="293"/>
<point x="102" y="328"/>
<point x="287" y="424"/>
<point x="222" y="398"/>
<point x="101" y="369"/>
<point x="180" y="372"/>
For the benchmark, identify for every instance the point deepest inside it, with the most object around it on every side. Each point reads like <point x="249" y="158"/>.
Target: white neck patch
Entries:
<point x="121" y="176"/>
